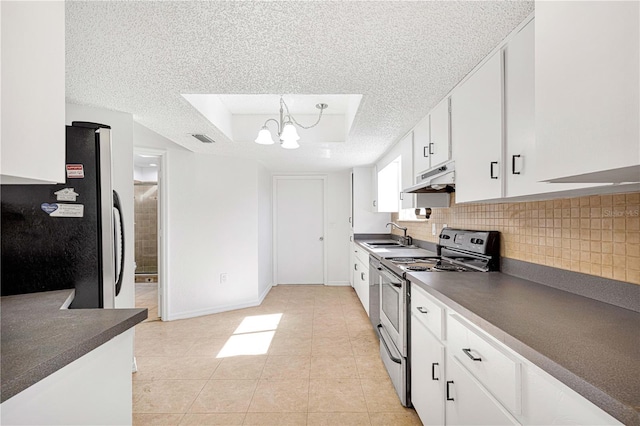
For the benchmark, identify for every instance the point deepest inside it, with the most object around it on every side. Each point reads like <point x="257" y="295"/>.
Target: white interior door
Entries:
<point x="299" y="223"/>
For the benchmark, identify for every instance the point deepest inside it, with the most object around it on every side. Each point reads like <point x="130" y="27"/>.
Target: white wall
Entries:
<point x="218" y="221"/>
<point x="265" y="231"/>
<point x="338" y="227"/>
<point x="122" y="159"/>
<point x="212" y="229"/>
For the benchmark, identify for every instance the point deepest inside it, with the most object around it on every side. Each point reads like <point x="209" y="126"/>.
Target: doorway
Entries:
<point x="299" y="229"/>
<point x="148" y="232"/>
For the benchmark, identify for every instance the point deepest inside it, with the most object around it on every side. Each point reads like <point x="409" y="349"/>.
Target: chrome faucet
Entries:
<point x="405" y="239"/>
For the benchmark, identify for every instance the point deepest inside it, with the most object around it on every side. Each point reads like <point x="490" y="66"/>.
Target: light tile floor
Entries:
<point x="307" y="356"/>
<point x="147" y="297"/>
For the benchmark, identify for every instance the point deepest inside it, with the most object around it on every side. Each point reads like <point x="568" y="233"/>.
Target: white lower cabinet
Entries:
<point x="468" y="402"/>
<point x="360" y="274"/>
<point x="427" y="374"/>
<point x="469" y="378"/>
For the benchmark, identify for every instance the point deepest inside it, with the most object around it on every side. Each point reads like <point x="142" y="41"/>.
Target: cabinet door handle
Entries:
<point x="425" y="151"/>
<point x="513" y="164"/>
<point x="374" y="203"/>
<point x="491" y="171"/>
<point x="431" y="146"/>
<point x="350" y="219"/>
<point x="422" y="310"/>
<point x="468" y="353"/>
<point x="449" y="382"/>
<point x="355" y="266"/>
<point x="401" y="196"/>
<point x="351" y="238"/>
<point x="362" y="276"/>
<point x="433" y="371"/>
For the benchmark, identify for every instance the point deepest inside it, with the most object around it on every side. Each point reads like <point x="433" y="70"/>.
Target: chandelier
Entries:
<point x="286" y="130"/>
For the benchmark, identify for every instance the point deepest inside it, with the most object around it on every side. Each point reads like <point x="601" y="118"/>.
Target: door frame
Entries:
<point x="163" y="210"/>
<point x="325" y="216"/>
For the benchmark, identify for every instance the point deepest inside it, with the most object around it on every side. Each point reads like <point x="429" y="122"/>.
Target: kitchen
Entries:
<point x="201" y="228"/>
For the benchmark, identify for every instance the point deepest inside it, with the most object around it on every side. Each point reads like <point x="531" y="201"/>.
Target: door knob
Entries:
<point x="321" y="238"/>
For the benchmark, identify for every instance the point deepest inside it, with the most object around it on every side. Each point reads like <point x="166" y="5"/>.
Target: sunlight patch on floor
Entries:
<point x="252" y="337"/>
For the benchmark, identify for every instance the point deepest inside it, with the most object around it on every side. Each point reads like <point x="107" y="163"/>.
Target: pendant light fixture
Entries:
<point x="285" y="127"/>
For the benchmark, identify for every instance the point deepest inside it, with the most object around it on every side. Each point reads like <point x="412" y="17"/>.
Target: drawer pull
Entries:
<point x="448" y="396"/>
<point x="362" y="276"/>
<point x="422" y="310"/>
<point x="433" y="371"/>
<point x="468" y="353"/>
<point x="355" y="266"/>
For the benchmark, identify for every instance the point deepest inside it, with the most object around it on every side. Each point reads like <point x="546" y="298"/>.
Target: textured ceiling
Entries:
<point x="403" y="57"/>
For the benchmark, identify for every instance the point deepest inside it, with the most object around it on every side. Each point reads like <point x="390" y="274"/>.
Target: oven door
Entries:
<point x="392" y="308"/>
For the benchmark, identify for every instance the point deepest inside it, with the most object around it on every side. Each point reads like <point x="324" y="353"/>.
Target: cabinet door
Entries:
<point x="427" y="374"/>
<point x="468" y="403"/>
<point x="364" y="219"/>
<point x="587" y="90"/>
<point x="421" y="140"/>
<point x="33" y="90"/>
<point x="361" y="283"/>
<point x="407" y="201"/>
<point x="476" y="131"/>
<point x="440" y="145"/>
<point x="519" y="81"/>
<point x="521" y="161"/>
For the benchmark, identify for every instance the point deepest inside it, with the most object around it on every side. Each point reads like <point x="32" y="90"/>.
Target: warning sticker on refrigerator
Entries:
<point x="63" y="210"/>
<point x="75" y="171"/>
<point x="66" y="194"/>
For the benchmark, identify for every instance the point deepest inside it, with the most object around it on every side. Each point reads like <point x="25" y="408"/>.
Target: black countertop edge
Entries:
<point x="12" y="385"/>
<point x="619" y="293"/>
<point x="625" y="413"/>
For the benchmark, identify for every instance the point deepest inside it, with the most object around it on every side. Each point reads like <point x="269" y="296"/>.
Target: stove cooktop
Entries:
<point x="433" y="265"/>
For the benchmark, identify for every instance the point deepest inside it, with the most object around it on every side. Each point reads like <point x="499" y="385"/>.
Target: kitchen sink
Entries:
<point x="390" y="244"/>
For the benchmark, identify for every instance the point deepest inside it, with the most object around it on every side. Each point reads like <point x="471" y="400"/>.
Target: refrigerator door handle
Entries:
<point x="118" y="230"/>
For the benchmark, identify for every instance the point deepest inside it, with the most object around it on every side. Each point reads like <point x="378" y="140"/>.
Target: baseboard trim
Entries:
<point x="214" y="310"/>
<point x="339" y="283"/>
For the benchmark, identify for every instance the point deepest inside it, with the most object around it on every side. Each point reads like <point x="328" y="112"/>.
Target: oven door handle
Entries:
<point x="384" y="342"/>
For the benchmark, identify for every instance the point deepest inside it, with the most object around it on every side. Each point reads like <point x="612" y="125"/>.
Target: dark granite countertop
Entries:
<point x="591" y="346"/>
<point x="38" y="338"/>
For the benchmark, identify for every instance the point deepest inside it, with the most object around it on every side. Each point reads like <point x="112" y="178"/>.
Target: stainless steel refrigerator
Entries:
<point x="69" y="235"/>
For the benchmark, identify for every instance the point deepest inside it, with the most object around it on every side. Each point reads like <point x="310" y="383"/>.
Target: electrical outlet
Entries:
<point x="223" y="278"/>
<point x="433" y="229"/>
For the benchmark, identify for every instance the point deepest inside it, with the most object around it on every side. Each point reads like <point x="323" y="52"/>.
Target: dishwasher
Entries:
<point x="374" y="290"/>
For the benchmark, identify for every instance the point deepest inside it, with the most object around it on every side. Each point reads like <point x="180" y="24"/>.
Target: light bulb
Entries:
<point x="290" y="144"/>
<point x="289" y="132"/>
<point x="264" y="137"/>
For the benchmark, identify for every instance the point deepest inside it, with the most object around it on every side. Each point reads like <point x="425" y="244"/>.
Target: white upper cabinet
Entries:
<point x="440" y="146"/>
<point x="520" y="132"/>
<point x="476" y="133"/>
<point x="363" y="217"/>
<point x="587" y="91"/>
<point x="432" y="139"/>
<point x="33" y="90"/>
<point x="407" y="201"/>
<point x="421" y="141"/>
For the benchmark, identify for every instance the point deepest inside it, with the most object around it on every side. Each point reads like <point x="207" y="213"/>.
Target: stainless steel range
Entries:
<point x="460" y="251"/>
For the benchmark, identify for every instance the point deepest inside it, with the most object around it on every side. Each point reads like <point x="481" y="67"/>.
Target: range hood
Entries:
<point x="440" y="179"/>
